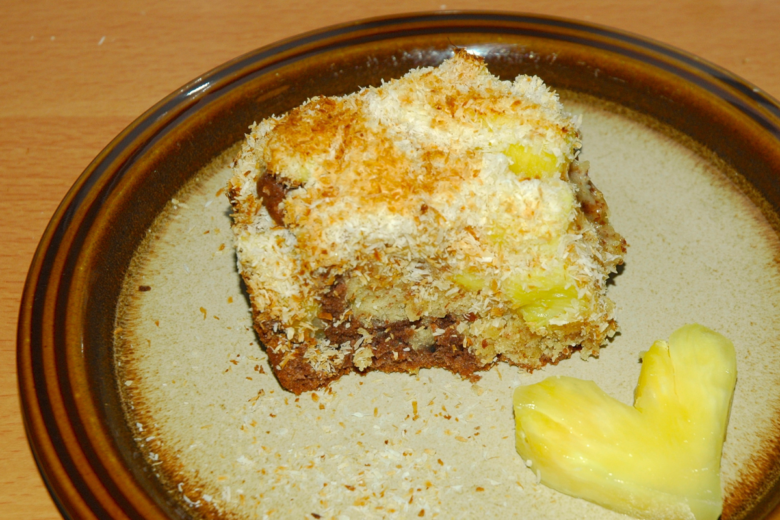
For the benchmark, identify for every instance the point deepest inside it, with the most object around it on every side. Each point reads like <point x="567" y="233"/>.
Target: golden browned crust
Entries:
<point x="441" y="220"/>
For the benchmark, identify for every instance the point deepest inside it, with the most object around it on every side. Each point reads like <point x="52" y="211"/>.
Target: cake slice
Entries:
<point x="439" y="220"/>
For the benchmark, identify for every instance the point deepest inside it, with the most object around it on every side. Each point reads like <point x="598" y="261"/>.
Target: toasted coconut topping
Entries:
<point x="445" y="193"/>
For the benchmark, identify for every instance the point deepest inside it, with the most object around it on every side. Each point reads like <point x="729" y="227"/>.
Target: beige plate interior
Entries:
<point x="231" y="443"/>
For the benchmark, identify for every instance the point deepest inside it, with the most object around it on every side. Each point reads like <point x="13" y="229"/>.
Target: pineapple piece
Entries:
<point x="551" y="304"/>
<point x="497" y="233"/>
<point x="530" y="165"/>
<point x="658" y="459"/>
<point x="542" y="297"/>
<point x="469" y="280"/>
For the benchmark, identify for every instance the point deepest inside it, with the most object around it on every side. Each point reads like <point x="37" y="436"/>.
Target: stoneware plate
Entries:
<point x="146" y="394"/>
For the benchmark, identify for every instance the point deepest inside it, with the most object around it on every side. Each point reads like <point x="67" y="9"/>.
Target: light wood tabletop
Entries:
<point x="75" y="73"/>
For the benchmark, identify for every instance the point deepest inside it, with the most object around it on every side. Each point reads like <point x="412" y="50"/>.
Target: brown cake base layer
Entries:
<point x="392" y="353"/>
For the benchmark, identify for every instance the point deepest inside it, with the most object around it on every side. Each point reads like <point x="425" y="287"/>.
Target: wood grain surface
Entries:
<point x="76" y="72"/>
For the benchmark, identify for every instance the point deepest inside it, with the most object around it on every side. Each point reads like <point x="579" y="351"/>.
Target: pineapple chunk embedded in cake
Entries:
<point x="659" y="459"/>
<point x="435" y="220"/>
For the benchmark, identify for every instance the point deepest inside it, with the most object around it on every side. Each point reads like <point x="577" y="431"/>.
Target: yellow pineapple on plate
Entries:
<point x="657" y="459"/>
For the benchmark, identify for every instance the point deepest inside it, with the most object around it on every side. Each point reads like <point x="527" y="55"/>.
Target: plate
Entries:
<point x="686" y="153"/>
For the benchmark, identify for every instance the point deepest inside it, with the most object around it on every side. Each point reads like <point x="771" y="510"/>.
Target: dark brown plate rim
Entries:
<point x="89" y="466"/>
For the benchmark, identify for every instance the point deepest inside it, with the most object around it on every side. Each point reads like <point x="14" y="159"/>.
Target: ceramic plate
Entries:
<point x="146" y="394"/>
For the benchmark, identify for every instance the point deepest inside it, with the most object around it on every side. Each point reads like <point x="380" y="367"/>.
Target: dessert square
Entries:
<point x="439" y="220"/>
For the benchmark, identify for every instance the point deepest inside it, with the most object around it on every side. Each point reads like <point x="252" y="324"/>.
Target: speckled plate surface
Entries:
<point x="146" y="394"/>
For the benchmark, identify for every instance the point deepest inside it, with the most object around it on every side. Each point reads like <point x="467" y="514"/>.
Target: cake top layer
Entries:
<point x="446" y="171"/>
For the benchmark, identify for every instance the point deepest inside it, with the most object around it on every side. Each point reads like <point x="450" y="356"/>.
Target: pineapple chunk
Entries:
<point x="551" y="304"/>
<point x="498" y="232"/>
<point x="658" y="459"/>
<point x="542" y="297"/>
<point x="530" y="165"/>
<point x="469" y="280"/>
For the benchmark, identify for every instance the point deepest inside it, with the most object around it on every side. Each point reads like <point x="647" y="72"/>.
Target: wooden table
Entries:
<point x="75" y="73"/>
